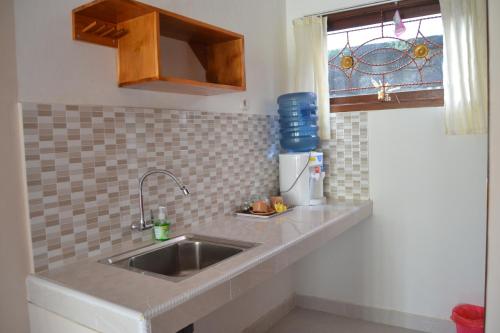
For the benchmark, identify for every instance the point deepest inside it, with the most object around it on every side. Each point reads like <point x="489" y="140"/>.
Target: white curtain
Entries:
<point x="311" y="65"/>
<point x="465" y="66"/>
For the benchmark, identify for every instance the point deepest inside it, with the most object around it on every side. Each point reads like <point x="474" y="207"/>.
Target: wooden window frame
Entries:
<point x="371" y="15"/>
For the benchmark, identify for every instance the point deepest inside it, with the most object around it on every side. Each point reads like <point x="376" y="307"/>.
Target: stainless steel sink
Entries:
<point x="180" y="257"/>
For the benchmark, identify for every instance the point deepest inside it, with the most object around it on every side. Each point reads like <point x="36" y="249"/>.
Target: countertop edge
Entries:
<point x="92" y="312"/>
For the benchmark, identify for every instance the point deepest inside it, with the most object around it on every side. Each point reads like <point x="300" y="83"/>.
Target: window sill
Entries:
<point x="402" y="100"/>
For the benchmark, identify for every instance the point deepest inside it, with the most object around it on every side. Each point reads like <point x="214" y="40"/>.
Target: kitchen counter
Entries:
<point x="109" y="299"/>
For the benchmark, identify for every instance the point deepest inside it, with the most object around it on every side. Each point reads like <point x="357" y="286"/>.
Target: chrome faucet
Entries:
<point x="143" y="225"/>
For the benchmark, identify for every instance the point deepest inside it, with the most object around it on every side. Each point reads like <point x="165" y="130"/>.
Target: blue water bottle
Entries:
<point x="298" y="122"/>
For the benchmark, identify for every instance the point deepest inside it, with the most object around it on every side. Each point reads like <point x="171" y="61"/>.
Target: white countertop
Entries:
<point x="111" y="299"/>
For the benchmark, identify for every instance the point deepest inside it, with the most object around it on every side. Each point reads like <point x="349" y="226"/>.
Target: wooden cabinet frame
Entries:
<point x="135" y="30"/>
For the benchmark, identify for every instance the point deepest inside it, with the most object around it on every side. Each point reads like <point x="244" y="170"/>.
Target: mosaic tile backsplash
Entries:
<point x="346" y="157"/>
<point x="83" y="165"/>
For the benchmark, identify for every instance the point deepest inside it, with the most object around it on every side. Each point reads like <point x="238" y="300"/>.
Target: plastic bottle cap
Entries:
<point x="161" y="213"/>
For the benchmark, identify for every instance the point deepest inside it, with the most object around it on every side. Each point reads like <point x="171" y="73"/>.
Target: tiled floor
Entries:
<point x="307" y="321"/>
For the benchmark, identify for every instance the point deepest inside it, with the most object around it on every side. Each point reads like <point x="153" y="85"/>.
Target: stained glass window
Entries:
<point x="370" y="59"/>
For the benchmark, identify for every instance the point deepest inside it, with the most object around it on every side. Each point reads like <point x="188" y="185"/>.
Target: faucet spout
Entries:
<point x="143" y="224"/>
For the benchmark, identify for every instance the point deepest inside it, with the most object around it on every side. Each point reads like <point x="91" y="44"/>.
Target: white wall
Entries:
<point x="181" y="63"/>
<point x="493" y="283"/>
<point x="430" y="211"/>
<point x="14" y="235"/>
<point x="55" y="69"/>
<point x="424" y="249"/>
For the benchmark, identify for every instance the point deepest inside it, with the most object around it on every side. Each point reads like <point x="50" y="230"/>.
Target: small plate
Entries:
<point x="262" y="215"/>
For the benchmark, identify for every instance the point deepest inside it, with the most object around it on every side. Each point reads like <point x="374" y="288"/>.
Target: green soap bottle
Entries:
<point x="161" y="226"/>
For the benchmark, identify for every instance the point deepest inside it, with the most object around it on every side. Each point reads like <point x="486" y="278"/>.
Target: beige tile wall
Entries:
<point x="346" y="157"/>
<point x="83" y="165"/>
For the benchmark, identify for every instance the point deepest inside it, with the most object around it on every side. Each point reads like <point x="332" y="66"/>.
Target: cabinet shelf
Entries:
<point x="163" y="51"/>
<point x="180" y="85"/>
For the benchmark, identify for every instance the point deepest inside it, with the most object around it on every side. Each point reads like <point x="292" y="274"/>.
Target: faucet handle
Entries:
<point x="185" y="191"/>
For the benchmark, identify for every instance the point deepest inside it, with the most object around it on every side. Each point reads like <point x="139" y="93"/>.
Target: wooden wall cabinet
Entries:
<point x="147" y="39"/>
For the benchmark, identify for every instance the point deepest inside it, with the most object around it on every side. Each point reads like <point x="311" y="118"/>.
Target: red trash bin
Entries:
<point x="468" y="318"/>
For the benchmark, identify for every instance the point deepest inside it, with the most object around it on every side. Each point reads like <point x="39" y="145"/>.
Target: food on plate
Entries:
<point x="275" y="200"/>
<point x="280" y="207"/>
<point x="260" y="206"/>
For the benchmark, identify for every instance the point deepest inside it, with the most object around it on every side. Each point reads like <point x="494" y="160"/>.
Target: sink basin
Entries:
<point x="180" y="257"/>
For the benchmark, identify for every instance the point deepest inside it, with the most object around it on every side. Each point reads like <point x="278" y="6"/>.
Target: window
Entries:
<point x="371" y="68"/>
